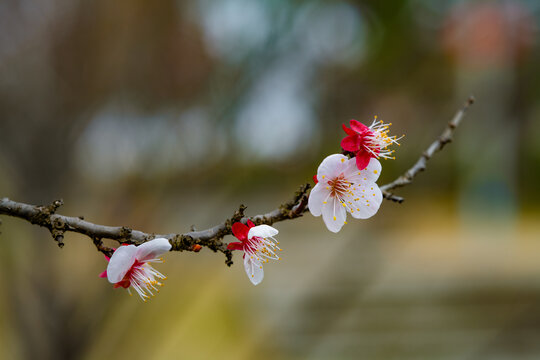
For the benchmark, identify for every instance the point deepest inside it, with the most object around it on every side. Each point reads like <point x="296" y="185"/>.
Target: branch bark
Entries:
<point x="58" y="225"/>
<point x="421" y="163"/>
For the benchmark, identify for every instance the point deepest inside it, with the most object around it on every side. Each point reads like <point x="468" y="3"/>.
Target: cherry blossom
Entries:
<point x="368" y="142"/>
<point x="130" y="266"/>
<point x="342" y="188"/>
<point x="259" y="247"/>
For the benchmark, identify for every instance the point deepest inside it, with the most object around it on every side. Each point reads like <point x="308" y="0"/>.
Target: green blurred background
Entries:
<point x="160" y="115"/>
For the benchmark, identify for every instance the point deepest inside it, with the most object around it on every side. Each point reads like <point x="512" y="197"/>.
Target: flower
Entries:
<point x="259" y="247"/>
<point x="342" y="188"/>
<point x="368" y="142"/>
<point x="130" y="266"/>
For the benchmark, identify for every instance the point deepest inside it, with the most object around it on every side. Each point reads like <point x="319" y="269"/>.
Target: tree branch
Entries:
<point x="45" y="216"/>
<point x="421" y="163"/>
<point x="58" y="225"/>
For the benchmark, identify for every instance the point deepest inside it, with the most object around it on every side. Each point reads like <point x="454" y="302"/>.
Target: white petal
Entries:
<point x="331" y="167"/>
<point x="334" y="215"/>
<point x="254" y="270"/>
<point x="369" y="200"/>
<point x="317" y="196"/>
<point x="120" y="263"/>
<point x="370" y="174"/>
<point x="373" y="170"/>
<point x="153" y="249"/>
<point x="263" y="231"/>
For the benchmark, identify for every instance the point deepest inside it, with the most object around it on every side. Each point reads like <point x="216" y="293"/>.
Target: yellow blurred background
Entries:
<point x="163" y="115"/>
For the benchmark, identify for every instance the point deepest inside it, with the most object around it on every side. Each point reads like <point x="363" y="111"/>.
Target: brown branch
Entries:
<point x="421" y="163"/>
<point x="45" y="216"/>
<point x="58" y="225"/>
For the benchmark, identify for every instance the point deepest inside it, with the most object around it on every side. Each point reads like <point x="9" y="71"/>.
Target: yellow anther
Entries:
<point x="345" y="223"/>
<point x="334" y="218"/>
<point x="342" y="160"/>
<point x="375" y="171"/>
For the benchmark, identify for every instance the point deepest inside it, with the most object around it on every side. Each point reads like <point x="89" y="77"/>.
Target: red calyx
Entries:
<point x="240" y="231"/>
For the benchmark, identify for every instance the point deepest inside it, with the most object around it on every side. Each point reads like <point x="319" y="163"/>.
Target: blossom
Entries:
<point x="259" y="247"/>
<point x="342" y="188"/>
<point x="368" y="142"/>
<point x="130" y="266"/>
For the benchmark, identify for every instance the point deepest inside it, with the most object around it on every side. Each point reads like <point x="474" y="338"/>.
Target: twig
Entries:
<point x="420" y="164"/>
<point x="212" y="238"/>
<point x="58" y="225"/>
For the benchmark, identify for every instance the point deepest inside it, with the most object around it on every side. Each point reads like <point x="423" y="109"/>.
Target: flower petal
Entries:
<point x="362" y="159"/>
<point x="373" y="170"/>
<point x="351" y="143"/>
<point x="240" y="231"/>
<point x="120" y="263"/>
<point x="368" y="201"/>
<point x="103" y="274"/>
<point x="254" y="270"/>
<point x="236" y="246"/>
<point x="347" y="130"/>
<point x="317" y="196"/>
<point x="331" y="166"/>
<point x="250" y="224"/>
<point x="334" y="215"/>
<point x="358" y="126"/>
<point x="367" y="176"/>
<point x="153" y="249"/>
<point x="263" y="231"/>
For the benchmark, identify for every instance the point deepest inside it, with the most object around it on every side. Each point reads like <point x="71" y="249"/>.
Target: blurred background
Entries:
<point x="159" y="115"/>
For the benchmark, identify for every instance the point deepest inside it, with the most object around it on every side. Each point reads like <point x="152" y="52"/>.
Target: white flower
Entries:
<point x="130" y="266"/>
<point x="259" y="247"/>
<point x="342" y="188"/>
